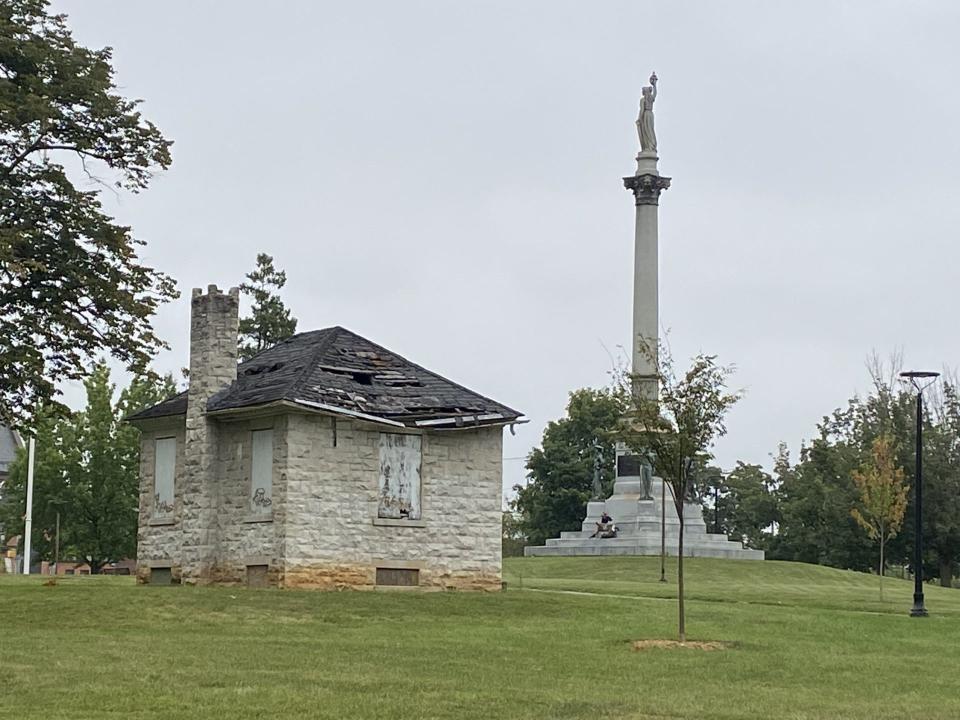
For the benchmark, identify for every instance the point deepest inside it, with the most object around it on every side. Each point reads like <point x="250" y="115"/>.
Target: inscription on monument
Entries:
<point x="629" y="466"/>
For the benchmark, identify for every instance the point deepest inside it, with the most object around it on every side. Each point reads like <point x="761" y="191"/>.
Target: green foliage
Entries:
<point x="883" y="497"/>
<point x="71" y="286"/>
<point x="54" y="442"/>
<point x="747" y="505"/>
<point x="676" y="428"/>
<point x="680" y="424"/>
<point x="513" y="538"/>
<point x="87" y="469"/>
<point x="815" y="501"/>
<point x="270" y="320"/>
<point x="814" y="497"/>
<point x="561" y="471"/>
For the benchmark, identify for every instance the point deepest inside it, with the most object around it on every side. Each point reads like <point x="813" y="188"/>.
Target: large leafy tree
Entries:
<point x="87" y="470"/>
<point x="814" y="508"/>
<point x="941" y="478"/>
<point x="747" y="505"/>
<point x="270" y="320"/>
<point x="561" y="470"/>
<point x="71" y="284"/>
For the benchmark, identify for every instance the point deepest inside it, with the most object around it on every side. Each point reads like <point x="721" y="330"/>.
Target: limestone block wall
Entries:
<point x="246" y="538"/>
<point x="159" y="541"/>
<point x="213" y="366"/>
<point x="332" y="536"/>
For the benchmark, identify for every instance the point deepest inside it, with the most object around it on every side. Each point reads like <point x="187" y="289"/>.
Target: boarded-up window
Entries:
<point x="399" y="476"/>
<point x="261" y="472"/>
<point x="165" y="462"/>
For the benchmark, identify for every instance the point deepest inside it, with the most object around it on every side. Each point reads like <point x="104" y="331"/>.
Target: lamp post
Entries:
<point x="918" y="609"/>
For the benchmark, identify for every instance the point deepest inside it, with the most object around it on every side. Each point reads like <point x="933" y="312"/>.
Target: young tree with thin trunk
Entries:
<point x="883" y="496"/>
<point x="676" y="429"/>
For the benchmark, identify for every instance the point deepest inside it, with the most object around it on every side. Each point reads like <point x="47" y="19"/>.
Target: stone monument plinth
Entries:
<point x="636" y="506"/>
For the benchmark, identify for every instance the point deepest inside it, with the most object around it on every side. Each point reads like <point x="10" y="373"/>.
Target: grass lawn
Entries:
<point x="807" y="642"/>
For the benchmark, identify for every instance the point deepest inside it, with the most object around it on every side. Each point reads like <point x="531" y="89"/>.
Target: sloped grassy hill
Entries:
<point x="808" y="642"/>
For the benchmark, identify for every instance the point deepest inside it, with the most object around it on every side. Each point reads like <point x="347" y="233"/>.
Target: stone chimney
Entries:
<point x="214" y="320"/>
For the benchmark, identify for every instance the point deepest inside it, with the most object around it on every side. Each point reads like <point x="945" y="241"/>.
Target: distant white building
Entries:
<point x="325" y="461"/>
<point x="10" y="442"/>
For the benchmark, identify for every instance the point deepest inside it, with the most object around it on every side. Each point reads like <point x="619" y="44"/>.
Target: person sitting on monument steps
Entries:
<point x="605" y="528"/>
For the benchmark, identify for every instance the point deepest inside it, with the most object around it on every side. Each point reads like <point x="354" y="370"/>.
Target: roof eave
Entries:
<point x="459" y="422"/>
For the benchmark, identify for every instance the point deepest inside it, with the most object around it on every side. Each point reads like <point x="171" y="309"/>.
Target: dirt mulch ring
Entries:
<point x="671" y="644"/>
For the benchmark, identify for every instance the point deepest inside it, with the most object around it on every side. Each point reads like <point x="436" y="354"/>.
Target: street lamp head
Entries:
<point x="913" y="374"/>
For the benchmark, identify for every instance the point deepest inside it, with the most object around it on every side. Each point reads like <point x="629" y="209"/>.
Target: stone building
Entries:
<point x="325" y="461"/>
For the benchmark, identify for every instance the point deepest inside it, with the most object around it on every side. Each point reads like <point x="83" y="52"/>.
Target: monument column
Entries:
<point x="646" y="185"/>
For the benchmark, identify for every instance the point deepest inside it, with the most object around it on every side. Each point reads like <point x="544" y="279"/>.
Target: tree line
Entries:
<point x="819" y="507"/>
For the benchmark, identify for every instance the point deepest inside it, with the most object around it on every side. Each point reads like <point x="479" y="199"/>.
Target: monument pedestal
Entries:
<point x="638" y="529"/>
<point x="637" y="516"/>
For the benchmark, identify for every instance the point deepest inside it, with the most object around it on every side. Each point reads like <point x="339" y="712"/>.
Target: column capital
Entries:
<point x="646" y="188"/>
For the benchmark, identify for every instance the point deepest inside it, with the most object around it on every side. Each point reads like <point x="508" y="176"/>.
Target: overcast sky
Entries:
<point x="445" y="179"/>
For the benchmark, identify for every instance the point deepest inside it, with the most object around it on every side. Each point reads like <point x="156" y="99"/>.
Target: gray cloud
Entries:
<point x="444" y="178"/>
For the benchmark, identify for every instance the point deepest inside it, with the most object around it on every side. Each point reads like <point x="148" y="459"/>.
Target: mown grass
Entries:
<point x="808" y="642"/>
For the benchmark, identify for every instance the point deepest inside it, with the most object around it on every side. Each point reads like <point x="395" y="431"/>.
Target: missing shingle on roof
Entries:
<point x="392" y="378"/>
<point x="359" y="375"/>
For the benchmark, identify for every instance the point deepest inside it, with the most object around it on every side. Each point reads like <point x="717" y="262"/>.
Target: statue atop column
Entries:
<point x="648" y="138"/>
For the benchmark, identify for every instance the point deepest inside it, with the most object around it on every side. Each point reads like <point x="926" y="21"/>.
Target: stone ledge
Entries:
<point x="399" y="565"/>
<point x="399" y="522"/>
<point x="257" y="519"/>
<point x="154" y="522"/>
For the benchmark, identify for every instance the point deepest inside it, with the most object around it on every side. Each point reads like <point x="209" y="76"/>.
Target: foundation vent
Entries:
<point x="161" y="576"/>
<point x="257" y="576"/>
<point x="398" y="577"/>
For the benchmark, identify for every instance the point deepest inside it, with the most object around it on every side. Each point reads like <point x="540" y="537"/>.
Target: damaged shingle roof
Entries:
<point x="338" y="368"/>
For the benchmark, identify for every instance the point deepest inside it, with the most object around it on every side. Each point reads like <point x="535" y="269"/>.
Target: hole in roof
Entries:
<point x="260" y="369"/>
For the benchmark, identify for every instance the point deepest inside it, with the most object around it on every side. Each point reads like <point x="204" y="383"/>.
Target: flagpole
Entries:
<point x="28" y="526"/>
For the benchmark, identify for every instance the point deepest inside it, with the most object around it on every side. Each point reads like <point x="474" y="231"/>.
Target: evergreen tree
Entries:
<point x="270" y="320"/>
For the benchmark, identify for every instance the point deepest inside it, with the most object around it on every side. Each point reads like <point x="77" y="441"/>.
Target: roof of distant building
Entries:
<point x="9" y="443"/>
<point x="336" y="370"/>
